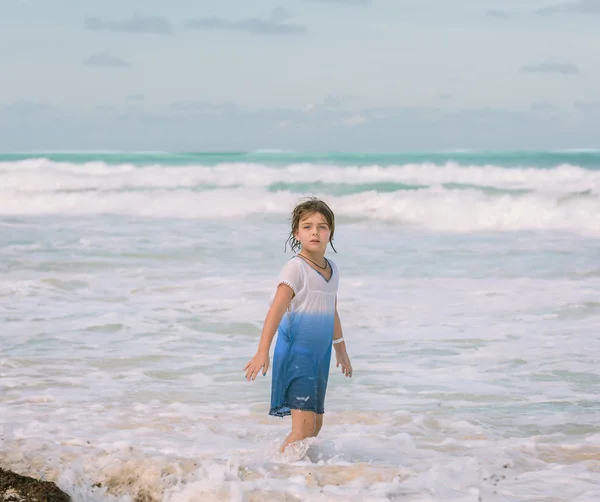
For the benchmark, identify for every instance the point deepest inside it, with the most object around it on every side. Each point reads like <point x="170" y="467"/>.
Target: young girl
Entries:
<point x="304" y="313"/>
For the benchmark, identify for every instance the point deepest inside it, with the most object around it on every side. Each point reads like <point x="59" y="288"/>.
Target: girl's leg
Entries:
<point x="318" y="425"/>
<point x="303" y="426"/>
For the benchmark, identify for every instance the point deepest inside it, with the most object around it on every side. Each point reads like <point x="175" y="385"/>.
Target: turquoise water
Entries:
<point x="133" y="288"/>
<point x="585" y="159"/>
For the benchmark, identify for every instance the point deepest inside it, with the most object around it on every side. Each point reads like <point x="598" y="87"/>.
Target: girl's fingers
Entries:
<point x="252" y="369"/>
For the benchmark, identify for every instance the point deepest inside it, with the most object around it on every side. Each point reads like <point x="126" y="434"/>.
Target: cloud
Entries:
<point x="542" y="106"/>
<point x="565" y="68"/>
<point x="275" y="25"/>
<point x="290" y="129"/>
<point x="136" y="97"/>
<point x="280" y="14"/>
<point x="579" y="6"/>
<point x="352" y="120"/>
<point x="343" y="2"/>
<point x="331" y="106"/>
<point x="202" y="107"/>
<point x="498" y="14"/>
<point x="106" y="61"/>
<point x="331" y="101"/>
<point x="588" y="106"/>
<point x="445" y="96"/>
<point x="27" y="109"/>
<point x="138" y="24"/>
<point x="389" y="112"/>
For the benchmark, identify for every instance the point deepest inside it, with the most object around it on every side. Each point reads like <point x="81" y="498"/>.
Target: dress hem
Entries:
<point x="278" y="411"/>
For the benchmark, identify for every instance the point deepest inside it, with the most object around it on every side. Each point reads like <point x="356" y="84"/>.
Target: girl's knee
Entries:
<point x="305" y="424"/>
<point x="309" y="425"/>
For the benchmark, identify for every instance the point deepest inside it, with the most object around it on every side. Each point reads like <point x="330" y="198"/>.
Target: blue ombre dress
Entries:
<point x="302" y="353"/>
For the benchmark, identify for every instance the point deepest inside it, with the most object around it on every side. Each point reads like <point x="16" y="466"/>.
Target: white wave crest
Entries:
<point x="42" y="175"/>
<point x="563" y="198"/>
<point x="433" y="208"/>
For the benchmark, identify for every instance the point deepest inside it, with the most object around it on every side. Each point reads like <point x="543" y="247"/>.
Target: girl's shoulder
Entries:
<point x="291" y="273"/>
<point x="293" y="264"/>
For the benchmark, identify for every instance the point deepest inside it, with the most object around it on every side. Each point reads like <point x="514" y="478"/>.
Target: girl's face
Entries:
<point x="313" y="233"/>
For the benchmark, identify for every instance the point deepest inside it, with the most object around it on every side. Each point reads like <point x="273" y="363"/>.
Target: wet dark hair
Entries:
<point x="307" y="207"/>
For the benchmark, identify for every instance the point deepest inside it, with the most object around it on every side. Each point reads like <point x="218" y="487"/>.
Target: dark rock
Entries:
<point x="16" y="488"/>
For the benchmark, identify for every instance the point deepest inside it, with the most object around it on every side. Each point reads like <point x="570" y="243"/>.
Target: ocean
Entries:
<point x="133" y="287"/>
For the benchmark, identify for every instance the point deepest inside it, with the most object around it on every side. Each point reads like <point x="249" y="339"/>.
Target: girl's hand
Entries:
<point x="343" y="360"/>
<point x="258" y="362"/>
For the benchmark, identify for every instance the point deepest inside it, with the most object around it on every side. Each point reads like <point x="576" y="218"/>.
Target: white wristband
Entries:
<point x="338" y="340"/>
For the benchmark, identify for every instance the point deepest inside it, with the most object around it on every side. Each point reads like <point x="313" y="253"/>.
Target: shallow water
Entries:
<point x="475" y="355"/>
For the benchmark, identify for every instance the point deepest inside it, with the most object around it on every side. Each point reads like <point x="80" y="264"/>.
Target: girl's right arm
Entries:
<point x="280" y="303"/>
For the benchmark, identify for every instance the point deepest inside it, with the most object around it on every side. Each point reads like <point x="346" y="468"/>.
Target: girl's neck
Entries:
<point x="318" y="258"/>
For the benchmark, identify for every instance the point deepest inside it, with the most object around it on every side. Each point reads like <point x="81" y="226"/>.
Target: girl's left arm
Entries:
<point x="341" y="356"/>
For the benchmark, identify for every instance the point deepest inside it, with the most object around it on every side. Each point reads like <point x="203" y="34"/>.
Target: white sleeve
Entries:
<point x="291" y="275"/>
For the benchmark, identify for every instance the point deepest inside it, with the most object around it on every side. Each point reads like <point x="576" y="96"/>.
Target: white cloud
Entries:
<point x="275" y="25"/>
<point x="352" y="121"/>
<point x="202" y="107"/>
<point x="498" y="14"/>
<point x="137" y="24"/>
<point x="397" y="129"/>
<point x="564" y="68"/>
<point x="105" y="60"/>
<point x="579" y="6"/>
<point x="27" y="109"/>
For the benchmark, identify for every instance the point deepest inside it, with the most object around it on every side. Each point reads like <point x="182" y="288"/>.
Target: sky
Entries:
<point x="312" y="75"/>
